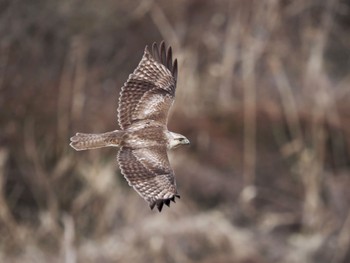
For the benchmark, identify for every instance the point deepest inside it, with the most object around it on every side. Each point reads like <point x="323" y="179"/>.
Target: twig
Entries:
<point x="69" y="251"/>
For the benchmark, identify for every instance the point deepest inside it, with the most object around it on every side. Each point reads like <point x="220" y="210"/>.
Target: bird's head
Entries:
<point x="175" y="140"/>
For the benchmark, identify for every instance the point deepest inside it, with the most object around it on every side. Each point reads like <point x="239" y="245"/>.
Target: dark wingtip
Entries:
<point x="159" y="203"/>
<point x="169" y="59"/>
<point x="163" y="53"/>
<point x="174" y="71"/>
<point x="155" y="51"/>
<point x="164" y="56"/>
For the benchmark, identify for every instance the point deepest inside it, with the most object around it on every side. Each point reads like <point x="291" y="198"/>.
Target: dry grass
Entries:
<point x="263" y="96"/>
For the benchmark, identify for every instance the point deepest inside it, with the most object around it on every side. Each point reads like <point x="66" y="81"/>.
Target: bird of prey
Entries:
<point x="143" y="139"/>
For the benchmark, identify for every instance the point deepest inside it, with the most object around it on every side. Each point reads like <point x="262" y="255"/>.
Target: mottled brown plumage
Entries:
<point x="144" y="103"/>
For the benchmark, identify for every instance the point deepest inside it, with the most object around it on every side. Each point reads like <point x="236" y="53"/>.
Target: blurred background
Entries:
<point x="263" y="95"/>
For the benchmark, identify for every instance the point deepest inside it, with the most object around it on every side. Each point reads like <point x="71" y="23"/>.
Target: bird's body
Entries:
<point x="139" y="135"/>
<point x="144" y="139"/>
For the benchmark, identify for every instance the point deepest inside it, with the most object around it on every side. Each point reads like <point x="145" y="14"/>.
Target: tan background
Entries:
<point x="263" y="95"/>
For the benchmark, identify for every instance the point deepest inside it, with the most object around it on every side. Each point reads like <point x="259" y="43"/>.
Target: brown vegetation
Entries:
<point x="263" y="95"/>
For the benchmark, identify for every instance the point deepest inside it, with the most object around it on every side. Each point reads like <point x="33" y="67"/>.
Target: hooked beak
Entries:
<point x="186" y="142"/>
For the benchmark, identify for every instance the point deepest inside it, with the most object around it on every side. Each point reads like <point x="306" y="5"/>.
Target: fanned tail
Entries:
<point x="86" y="141"/>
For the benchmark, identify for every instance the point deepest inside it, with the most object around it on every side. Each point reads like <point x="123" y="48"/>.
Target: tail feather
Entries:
<point x="85" y="141"/>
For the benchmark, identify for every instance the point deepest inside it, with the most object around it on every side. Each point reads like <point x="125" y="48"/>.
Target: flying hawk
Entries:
<point x="143" y="138"/>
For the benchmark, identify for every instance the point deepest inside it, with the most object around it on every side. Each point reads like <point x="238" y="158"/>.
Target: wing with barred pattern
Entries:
<point x="148" y="171"/>
<point x="150" y="90"/>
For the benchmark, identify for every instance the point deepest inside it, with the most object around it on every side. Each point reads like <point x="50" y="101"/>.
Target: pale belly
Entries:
<point x="145" y="136"/>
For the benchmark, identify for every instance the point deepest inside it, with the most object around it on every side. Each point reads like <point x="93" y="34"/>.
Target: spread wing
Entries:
<point x="150" y="90"/>
<point x="148" y="171"/>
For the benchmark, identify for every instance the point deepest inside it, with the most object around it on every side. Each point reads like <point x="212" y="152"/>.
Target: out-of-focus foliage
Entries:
<point x="263" y="95"/>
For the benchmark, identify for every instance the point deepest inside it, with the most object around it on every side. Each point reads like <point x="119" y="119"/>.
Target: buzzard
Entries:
<point x="143" y="139"/>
